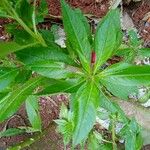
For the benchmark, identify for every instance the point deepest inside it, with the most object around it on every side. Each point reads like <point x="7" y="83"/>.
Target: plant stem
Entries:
<point x="12" y="12"/>
<point x="82" y="146"/>
<point x="113" y="134"/>
<point x="34" y="17"/>
<point x="38" y="37"/>
<point x="72" y="148"/>
<point x="106" y="141"/>
<point x="65" y="147"/>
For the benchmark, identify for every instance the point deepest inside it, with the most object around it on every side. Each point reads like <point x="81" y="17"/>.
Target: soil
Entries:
<point x="96" y="7"/>
<point x="49" y="106"/>
<point x="138" y="12"/>
<point x="3" y="34"/>
<point x="147" y="147"/>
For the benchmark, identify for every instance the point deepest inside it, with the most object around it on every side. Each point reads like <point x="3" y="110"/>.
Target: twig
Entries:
<point x="113" y="133"/>
<point x="50" y="16"/>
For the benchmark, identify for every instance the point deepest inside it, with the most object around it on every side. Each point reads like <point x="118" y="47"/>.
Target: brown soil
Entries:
<point x="3" y="34"/>
<point x="96" y="7"/>
<point x="137" y="13"/>
<point x="147" y="147"/>
<point x="143" y="26"/>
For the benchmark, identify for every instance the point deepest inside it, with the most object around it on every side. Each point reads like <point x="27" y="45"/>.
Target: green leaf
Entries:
<point x="23" y="76"/>
<point x="64" y="113"/>
<point x="108" y="37"/>
<point x="54" y="70"/>
<point x="3" y="94"/>
<point x="131" y="133"/>
<point x="20" y="36"/>
<point x="112" y="107"/>
<point x="42" y="11"/>
<point x="3" y="13"/>
<point x="133" y="39"/>
<point x="10" y="47"/>
<point x="76" y="34"/>
<point x="28" y="129"/>
<point x="123" y="52"/>
<point x="86" y="24"/>
<point x="65" y="124"/>
<point x="36" y="54"/>
<point x="11" y="132"/>
<point x="139" y="141"/>
<point x="11" y="103"/>
<point x="128" y="54"/>
<point x="86" y="102"/>
<point x="62" y="86"/>
<point x="130" y="141"/>
<point x="107" y="146"/>
<point x="48" y="37"/>
<point x="65" y="127"/>
<point x="13" y="3"/>
<point x="119" y="90"/>
<point x="32" y="109"/>
<point x="94" y="141"/>
<point x="24" y="9"/>
<point x="127" y="74"/>
<point x="145" y="52"/>
<point x="7" y="75"/>
<point x="54" y="30"/>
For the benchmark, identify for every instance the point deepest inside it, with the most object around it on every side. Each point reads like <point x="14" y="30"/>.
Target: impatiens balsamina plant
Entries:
<point x="78" y="70"/>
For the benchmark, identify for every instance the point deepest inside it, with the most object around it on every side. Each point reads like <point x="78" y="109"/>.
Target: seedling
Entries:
<point x="76" y="70"/>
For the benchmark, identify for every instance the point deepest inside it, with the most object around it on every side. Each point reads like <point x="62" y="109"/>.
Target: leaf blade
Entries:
<point x="54" y="70"/>
<point x="32" y="110"/>
<point x="10" y="47"/>
<point x="7" y="75"/>
<point x="11" y="132"/>
<point x="111" y="106"/>
<point x="85" y="111"/>
<point x="108" y="37"/>
<point x="76" y="34"/>
<point x="62" y="86"/>
<point x="16" y="98"/>
<point x="125" y="73"/>
<point x="51" y="53"/>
